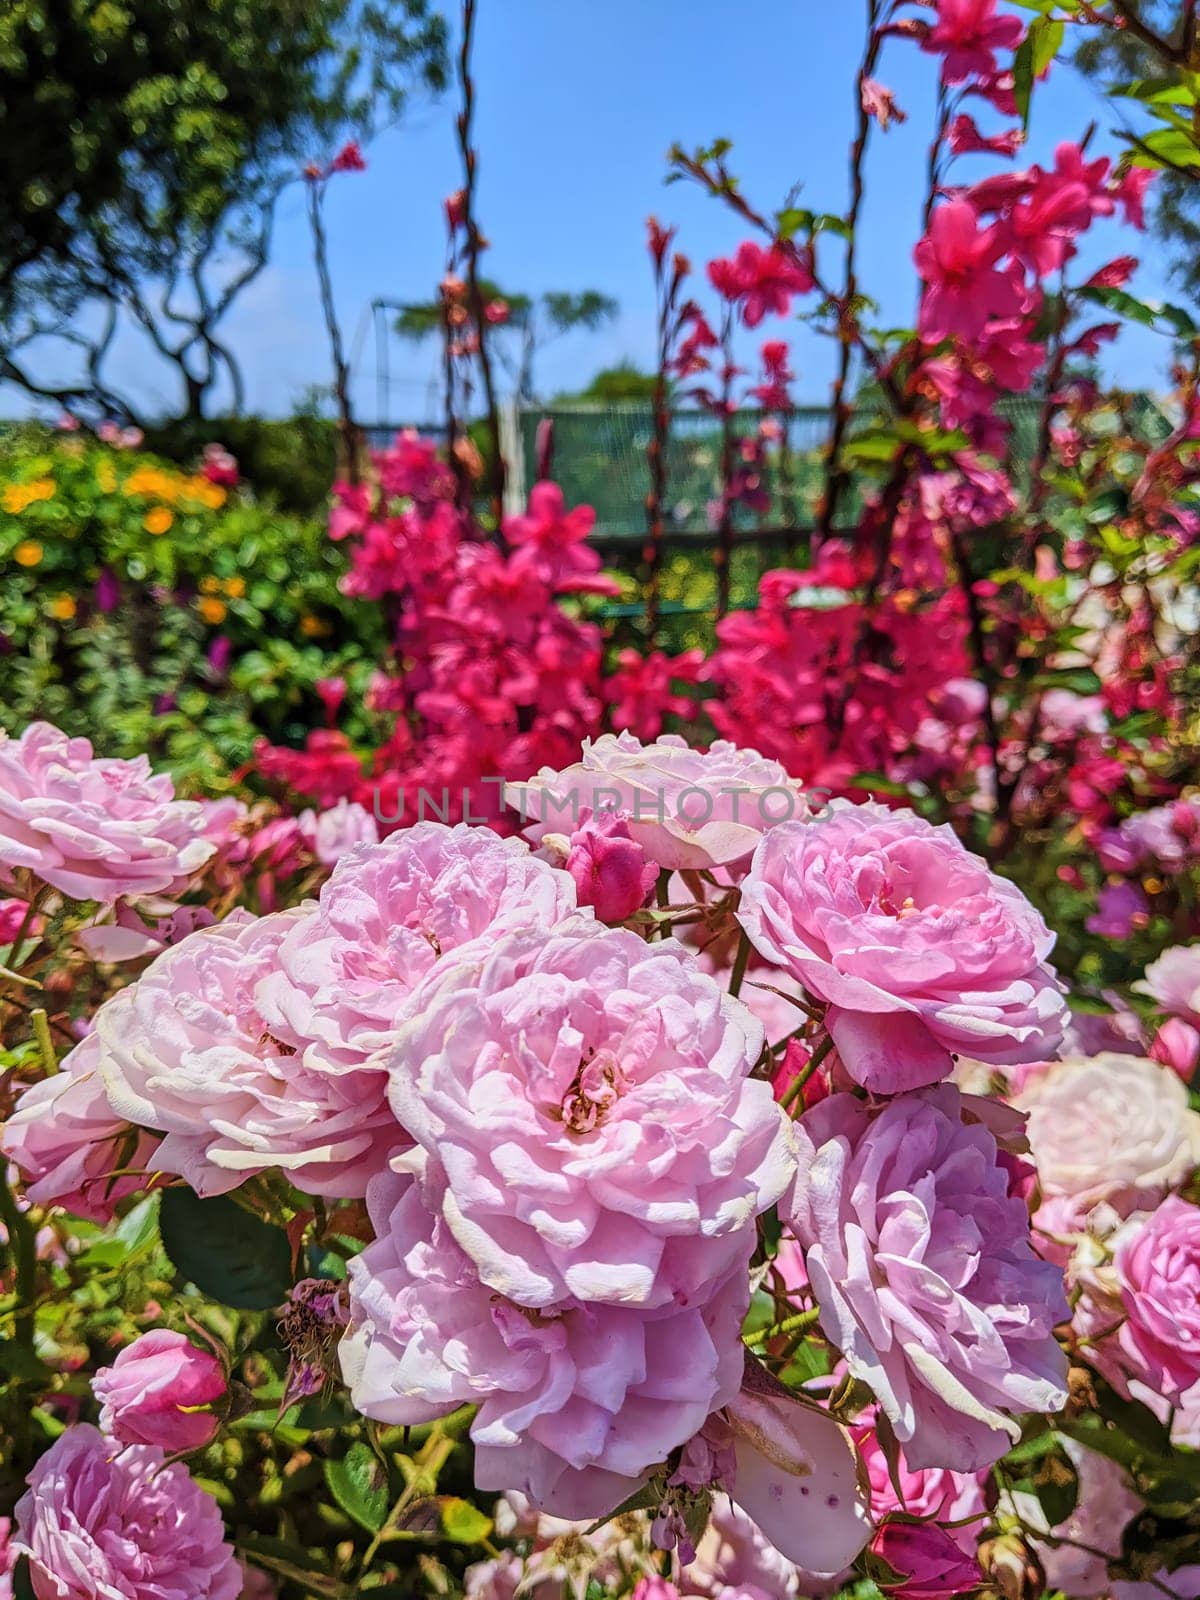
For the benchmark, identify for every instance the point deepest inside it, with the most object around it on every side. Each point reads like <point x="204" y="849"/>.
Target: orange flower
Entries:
<point x="19" y="496"/>
<point x="312" y="627"/>
<point x="212" y="611"/>
<point x="28" y="553"/>
<point x="158" y="520"/>
<point x="62" y="608"/>
<point x="235" y="588"/>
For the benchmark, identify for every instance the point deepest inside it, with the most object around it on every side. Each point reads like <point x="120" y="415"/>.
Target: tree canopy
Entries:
<point x="142" y="138"/>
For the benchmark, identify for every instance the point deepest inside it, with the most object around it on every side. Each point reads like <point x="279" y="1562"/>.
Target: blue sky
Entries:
<point x="577" y="103"/>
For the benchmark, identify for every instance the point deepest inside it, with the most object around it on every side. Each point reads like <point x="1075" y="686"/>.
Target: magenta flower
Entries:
<point x="98" y="1520"/>
<point x="932" y="1492"/>
<point x="610" y="869"/>
<point x="588" y="1097"/>
<point x="931" y="1565"/>
<point x="1158" y="1269"/>
<point x="967" y="35"/>
<point x="149" y="1394"/>
<point x="93" y="829"/>
<point x="576" y="1402"/>
<point x="920" y="1261"/>
<point x="964" y="290"/>
<point x="919" y="950"/>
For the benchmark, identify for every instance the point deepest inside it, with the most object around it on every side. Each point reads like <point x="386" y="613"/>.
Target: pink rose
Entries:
<point x="609" y="868"/>
<point x="588" y="1098"/>
<point x="1174" y="982"/>
<point x="199" y="1050"/>
<point x="734" y="1553"/>
<point x="920" y="1262"/>
<point x="1109" y="1127"/>
<point x="918" y="949"/>
<point x="331" y="834"/>
<point x="67" y="1141"/>
<point x="93" y="829"/>
<point x="98" y="1520"/>
<point x="935" y="1493"/>
<point x="687" y="808"/>
<point x="931" y="1565"/>
<point x="1158" y="1269"/>
<point x="1177" y="1045"/>
<point x="148" y="1394"/>
<point x="577" y="1403"/>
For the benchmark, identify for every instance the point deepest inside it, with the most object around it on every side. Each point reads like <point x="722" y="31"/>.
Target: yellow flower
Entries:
<point x="19" y="496"/>
<point x="158" y="520"/>
<point x="150" y="481"/>
<point x="235" y="588"/>
<point x="210" y="585"/>
<point x="106" y="478"/>
<point x="28" y="553"/>
<point x="312" y="627"/>
<point x="213" y="611"/>
<point x="203" y="492"/>
<point x="62" y="608"/>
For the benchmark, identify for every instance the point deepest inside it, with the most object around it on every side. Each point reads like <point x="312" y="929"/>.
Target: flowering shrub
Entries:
<point x="669" y="1170"/>
<point x="162" y="605"/>
<point x="442" y="1185"/>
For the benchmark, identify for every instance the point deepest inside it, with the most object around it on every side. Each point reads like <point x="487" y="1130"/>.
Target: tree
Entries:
<point x="617" y="385"/>
<point x="534" y="323"/>
<point x="145" y="149"/>
<point x="1147" y="59"/>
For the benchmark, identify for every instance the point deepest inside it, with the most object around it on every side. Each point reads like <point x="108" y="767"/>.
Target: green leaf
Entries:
<point x="1155" y="91"/>
<point x="1023" y="78"/>
<point x="359" y="1484"/>
<point x="1165" y="147"/>
<point x="22" y="1583"/>
<point x="464" y="1523"/>
<point x="228" y="1254"/>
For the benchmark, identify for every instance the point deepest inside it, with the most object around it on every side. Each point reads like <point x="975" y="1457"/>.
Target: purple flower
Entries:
<point x="103" y="1520"/>
<point x="921" y="1264"/>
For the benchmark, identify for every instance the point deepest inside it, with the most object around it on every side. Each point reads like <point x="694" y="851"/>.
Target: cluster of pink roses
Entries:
<point x="566" y="1133"/>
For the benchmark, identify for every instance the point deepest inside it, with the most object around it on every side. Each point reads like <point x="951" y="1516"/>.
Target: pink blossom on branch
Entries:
<point x="967" y="35"/>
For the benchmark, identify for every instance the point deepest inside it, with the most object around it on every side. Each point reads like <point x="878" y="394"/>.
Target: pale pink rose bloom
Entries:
<point x="920" y="951"/>
<point x="93" y="829"/>
<point x="67" y="1140"/>
<point x="1104" y="1506"/>
<point x="1112" y="1128"/>
<point x="331" y="834"/>
<point x="797" y="1476"/>
<point x="1177" y="1045"/>
<point x="1158" y="1273"/>
<point x="149" y="1393"/>
<point x="733" y="1552"/>
<point x="385" y="919"/>
<point x="193" y="1051"/>
<point x="587" y="1095"/>
<point x="687" y="808"/>
<point x="258" y="1044"/>
<point x="99" y="1520"/>
<point x="921" y="1263"/>
<point x="577" y="1403"/>
<point x="8" y="1558"/>
<point x="1174" y="982"/>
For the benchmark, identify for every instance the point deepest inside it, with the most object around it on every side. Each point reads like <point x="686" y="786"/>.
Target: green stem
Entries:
<point x="45" y="1044"/>
<point x="22" y="1243"/>
<point x="802" y="1320"/>
<point x="740" y="962"/>
<point x="806" y="1072"/>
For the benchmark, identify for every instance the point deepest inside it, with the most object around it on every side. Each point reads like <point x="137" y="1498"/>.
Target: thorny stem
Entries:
<point x="837" y="476"/>
<point x="22" y="1241"/>
<point x="474" y="243"/>
<point x="801" y="1321"/>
